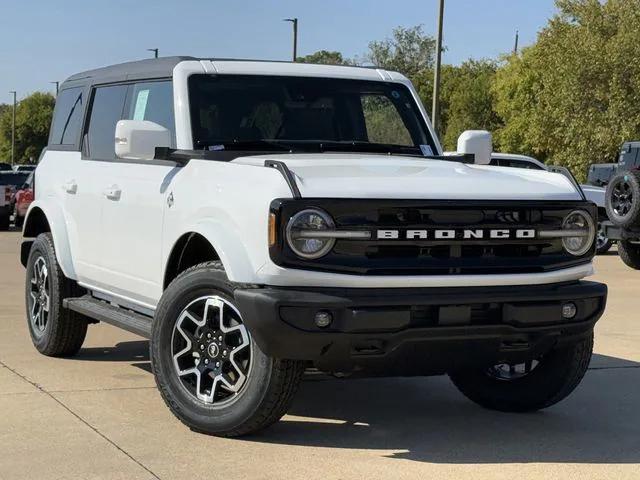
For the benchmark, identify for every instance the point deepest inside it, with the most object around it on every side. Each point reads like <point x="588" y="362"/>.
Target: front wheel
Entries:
<point x="210" y="372"/>
<point x="603" y="244"/>
<point x="533" y="385"/>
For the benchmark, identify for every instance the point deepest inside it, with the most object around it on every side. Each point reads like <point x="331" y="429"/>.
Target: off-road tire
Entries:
<point x="557" y="375"/>
<point x="630" y="217"/>
<point x="270" y="385"/>
<point x="65" y="330"/>
<point x="629" y="253"/>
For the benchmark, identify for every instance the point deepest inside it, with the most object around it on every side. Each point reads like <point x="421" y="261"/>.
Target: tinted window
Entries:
<point x="15" y="179"/>
<point x="153" y="101"/>
<point x="67" y="117"/>
<point x="106" y="110"/>
<point x="519" y="164"/>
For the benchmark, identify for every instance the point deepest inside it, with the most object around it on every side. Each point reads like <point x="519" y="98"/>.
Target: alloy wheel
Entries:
<point x="622" y="198"/>
<point x="601" y="238"/>
<point x="211" y="350"/>
<point x="39" y="295"/>
<point x="509" y="372"/>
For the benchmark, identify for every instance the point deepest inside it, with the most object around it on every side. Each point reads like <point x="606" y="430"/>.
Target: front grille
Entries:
<point x="456" y="256"/>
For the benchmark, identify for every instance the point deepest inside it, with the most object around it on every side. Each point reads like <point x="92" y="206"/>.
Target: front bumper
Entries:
<point x="418" y="331"/>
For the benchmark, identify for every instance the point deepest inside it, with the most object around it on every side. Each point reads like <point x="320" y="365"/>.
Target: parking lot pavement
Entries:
<point x="98" y="415"/>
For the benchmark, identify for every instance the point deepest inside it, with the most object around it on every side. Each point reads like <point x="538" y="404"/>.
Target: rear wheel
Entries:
<point x="55" y="331"/>
<point x="603" y="244"/>
<point x="629" y="253"/>
<point x="533" y="385"/>
<point x="210" y="372"/>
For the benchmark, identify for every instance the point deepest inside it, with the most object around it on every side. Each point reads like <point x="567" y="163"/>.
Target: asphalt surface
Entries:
<point x="99" y="416"/>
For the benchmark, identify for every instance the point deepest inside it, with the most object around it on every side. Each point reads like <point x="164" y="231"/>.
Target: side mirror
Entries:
<point x="138" y="139"/>
<point x="477" y="142"/>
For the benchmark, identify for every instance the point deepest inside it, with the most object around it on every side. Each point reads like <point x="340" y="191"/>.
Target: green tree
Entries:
<point x="33" y="118"/>
<point x="325" y="57"/>
<point x="409" y="51"/>
<point x="467" y="100"/>
<point x="574" y="96"/>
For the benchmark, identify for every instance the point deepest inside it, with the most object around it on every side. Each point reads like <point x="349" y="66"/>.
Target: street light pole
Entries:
<point x="13" y="130"/>
<point x="154" y="50"/>
<point x="435" y="111"/>
<point x="294" y="21"/>
<point x="515" y="48"/>
<point x="57" y="84"/>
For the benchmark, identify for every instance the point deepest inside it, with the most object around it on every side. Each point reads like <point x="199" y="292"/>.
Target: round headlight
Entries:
<point x="300" y="233"/>
<point x="582" y="224"/>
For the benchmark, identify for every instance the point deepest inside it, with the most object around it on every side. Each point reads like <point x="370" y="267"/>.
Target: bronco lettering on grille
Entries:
<point x="457" y="234"/>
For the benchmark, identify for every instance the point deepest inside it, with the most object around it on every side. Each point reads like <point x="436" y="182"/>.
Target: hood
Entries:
<point x="594" y="194"/>
<point x="331" y="175"/>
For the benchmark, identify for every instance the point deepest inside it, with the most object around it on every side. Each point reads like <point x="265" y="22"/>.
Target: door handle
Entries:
<point x="113" y="192"/>
<point x="70" y="187"/>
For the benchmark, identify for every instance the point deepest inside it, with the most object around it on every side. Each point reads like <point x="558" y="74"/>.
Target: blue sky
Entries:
<point x="44" y="40"/>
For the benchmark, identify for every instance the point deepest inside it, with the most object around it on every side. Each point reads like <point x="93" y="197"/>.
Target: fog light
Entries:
<point x="569" y="310"/>
<point x="323" y="319"/>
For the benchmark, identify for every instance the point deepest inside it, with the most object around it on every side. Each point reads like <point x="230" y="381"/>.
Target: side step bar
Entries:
<point x="107" y="313"/>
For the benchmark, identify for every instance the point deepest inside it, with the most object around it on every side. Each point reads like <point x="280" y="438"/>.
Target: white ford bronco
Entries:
<point x="254" y="219"/>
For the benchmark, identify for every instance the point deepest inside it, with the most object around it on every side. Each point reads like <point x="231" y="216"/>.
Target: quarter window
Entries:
<point x="106" y="110"/>
<point x="67" y="118"/>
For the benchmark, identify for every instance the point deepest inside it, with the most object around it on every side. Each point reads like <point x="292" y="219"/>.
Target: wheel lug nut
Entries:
<point x="224" y="352"/>
<point x="208" y="335"/>
<point x="220" y="338"/>
<point x="217" y="364"/>
<point x="206" y="361"/>
<point x="201" y="347"/>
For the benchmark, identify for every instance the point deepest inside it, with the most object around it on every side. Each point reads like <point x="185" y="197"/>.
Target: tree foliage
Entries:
<point x="325" y="57"/>
<point x="33" y="118"/>
<point x="574" y="96"/>
<point x="409" y="51"/>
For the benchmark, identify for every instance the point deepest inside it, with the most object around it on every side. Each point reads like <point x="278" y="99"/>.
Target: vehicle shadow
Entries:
<point x="427" y="420"/>
<point x="132" y="351"/>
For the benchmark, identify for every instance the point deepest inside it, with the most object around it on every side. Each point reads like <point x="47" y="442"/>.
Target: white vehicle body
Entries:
<point x="115" y="224"/>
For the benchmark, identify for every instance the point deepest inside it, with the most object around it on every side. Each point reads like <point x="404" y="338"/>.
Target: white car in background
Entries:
<point x="593" y="193"/>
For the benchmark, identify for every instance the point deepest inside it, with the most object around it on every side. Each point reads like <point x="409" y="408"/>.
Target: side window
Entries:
<point x="383" y="121"/>
<point x="153" y="101"/>
<point x="106" y="110"/>
<point x="67" y="117"/>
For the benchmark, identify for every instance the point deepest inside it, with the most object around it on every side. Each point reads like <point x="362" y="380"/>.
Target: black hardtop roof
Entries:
<point x="149" y="68"/>
<point x="144" y="69"/>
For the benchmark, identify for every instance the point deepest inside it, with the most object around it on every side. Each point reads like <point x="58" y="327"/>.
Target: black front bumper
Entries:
<point x="423" y="331"/>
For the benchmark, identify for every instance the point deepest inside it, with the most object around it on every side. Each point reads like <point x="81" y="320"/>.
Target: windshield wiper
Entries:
<point x="368" y="147"/>
<point x="261" y="145"/>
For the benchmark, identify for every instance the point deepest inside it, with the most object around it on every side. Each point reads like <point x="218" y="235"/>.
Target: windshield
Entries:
<point x="15" y="179"/>
<point x="252" y="112"/>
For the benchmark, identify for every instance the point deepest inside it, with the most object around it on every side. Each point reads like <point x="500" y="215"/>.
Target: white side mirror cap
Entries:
<point x="138" y="139"/>
<point x="477" y="142"/>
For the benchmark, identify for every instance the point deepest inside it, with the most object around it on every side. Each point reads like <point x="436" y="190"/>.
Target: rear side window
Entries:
<point x="152" y="101"/>
<point x="67" y="117"/>
<point x="106" y="110"/>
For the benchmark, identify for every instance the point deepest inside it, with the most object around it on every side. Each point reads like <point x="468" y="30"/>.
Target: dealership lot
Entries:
<point x="98" y="415"/>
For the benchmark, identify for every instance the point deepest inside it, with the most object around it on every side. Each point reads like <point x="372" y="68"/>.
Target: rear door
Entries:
<point x="133" y="215"/>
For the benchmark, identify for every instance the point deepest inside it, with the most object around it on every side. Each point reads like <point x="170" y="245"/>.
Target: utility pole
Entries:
<point x="435" y="110"/>
<point x="154" y="50"/>
<point x="515" y="48"/>
<point x="294" y="21"/>
<point x="13" y="130"/>
<point x="57" y="84"/>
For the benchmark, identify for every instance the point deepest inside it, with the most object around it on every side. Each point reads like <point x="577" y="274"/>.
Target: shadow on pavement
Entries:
<point x="427" y="420"/>
<point x="133" y="351"/>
